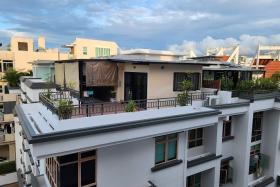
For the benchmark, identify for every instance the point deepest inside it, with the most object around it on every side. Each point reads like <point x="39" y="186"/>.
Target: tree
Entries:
<point x="183" y="97"/>
<point x="12" y="76"/>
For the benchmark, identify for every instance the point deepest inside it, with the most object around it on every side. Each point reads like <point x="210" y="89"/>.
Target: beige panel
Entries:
<point x="59" y="74"/>
<point x="72" y="75"/>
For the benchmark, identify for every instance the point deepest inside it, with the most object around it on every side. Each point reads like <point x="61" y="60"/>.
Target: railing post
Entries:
<point x="158" y="103"/>
<point x="87" y="111"/>
<point x="115" y="107"/>
<point x="175" y="101"/>
<point x="102" y="109"/>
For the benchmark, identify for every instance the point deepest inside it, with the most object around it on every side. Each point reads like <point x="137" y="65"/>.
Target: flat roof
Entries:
<point x="41" y="125"/>
<point x="131" y="59"/>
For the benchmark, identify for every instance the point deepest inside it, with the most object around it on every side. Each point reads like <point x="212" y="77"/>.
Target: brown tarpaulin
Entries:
<point x="101" y="74"/>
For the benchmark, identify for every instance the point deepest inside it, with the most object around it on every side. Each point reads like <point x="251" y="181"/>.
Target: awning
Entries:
<point x="101" y="74"/>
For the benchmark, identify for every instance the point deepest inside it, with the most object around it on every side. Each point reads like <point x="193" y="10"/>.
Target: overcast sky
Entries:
<point x="158" y="24"/>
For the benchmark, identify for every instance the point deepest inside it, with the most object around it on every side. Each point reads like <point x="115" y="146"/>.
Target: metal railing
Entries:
<point x="50" y="100"/>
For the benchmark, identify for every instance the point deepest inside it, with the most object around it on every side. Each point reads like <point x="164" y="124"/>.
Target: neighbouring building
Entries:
<point x="158" y="54"/>
<point x="7" y="138"/>
<point x="83" y="48"/>
<point x="122" y="78"/>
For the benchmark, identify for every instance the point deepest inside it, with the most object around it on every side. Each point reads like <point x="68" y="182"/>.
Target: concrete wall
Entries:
<point x="160" y="78"/>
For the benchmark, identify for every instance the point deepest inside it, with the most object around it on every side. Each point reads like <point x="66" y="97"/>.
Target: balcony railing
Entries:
<point x="51" y="101"/>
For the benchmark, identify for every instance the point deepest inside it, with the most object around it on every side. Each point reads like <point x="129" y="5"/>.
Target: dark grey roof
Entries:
<point x="38" y="85"/>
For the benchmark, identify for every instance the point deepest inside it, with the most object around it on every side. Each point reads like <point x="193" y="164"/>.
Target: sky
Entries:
<point x="177" y="25"/>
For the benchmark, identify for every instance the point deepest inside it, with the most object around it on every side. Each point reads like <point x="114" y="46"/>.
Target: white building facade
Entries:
<point x="234" y="143"/>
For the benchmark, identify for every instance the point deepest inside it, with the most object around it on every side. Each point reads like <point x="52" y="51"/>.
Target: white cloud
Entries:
<point x="248" y="43"/>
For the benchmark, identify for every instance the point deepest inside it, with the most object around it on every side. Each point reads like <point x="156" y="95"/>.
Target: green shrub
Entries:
<point x="7" y="167"/>
<point x="183" y="97"/>
<point x="226" y="84"/>
<point x="276" y="76"/>
<point x="65" y="109"/>
<point x="260" y="84"/>
<point x="130" y="107"/>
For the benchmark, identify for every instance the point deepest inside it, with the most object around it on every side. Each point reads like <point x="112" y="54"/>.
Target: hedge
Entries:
<point x="7" y="167"/>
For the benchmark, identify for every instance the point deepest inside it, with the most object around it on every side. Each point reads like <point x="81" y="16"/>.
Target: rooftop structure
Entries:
<point x="158" y="54"/>
<point x="83" y="48"/>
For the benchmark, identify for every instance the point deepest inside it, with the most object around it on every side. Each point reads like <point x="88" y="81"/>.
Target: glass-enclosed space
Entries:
<point x="72" y="170"/>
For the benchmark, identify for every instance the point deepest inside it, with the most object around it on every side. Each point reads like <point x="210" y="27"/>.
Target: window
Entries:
<point x="166" y="148"/>
<point x="195" y="137"/>
<point x="7" y="65"/>
<point x="255" y="154"/>
<point x="102" y="52"/>
<point x="225" y="173"/>
<point x="257" y="127"/>
<point x="227" y="128"/>
<point x="84" y="50"/>
<point x="22" y="46"/>
<point x="72" y="170"/>
<point x="193" y="77"/>
<point x="194" y="180"/>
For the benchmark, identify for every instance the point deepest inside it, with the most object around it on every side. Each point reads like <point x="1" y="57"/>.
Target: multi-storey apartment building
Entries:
<point x="231" y="142"/>
<point x="217" y="140"/>
<point x="7" y="138"/>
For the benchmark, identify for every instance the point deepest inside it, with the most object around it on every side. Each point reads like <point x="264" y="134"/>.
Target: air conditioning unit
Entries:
<point x="213" y="100"/>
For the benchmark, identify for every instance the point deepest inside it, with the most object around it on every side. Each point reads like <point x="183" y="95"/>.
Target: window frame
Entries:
<point x="165" y="141"/>
<point x="85" y="51"/>
<point x="22" y="46"/>
<point x="53" y="167"/>
<point x="193" y="178"/>
<point x="225" y="166"/>
<point x="186" y="76"/>
<point x="255" y="151"/>
<point x="197" y="139"/>
<point x="227" y="123"/>
<point x="257" y="131"/>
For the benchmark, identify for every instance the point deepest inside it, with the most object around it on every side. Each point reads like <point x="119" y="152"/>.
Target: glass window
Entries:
<point x="84" y="50"/>
<point x="22" y="46"/>
<point x="179" y="77"/>
<point x="225" y="173"/>
<point x="78" y="169"/>
<point x="88" y="172"/>
<point x="257" y="127"/>
<point x="194" y="180"/>
<point x="166" y="148"/>
<point x="255" y="154"/>
<point x="69" y="175"/>
<point x="195" y="137"/>
<point x="227" y="128"/>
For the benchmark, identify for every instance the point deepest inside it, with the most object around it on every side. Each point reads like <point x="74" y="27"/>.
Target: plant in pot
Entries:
<point x="65" y="109"/>
<point x="130" y="106"/>
<point x="183" y="97"/>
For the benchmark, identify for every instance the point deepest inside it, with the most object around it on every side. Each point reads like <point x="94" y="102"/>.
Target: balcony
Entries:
<point x="4" y="138"/>
<point x="257" y="165"/>
<point x="65" y="106"/>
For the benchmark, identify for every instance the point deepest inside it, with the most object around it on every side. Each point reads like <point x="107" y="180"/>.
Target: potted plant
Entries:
<point x="183" y="97"/>
<point x="65" y="109"/>
<point x="130" y="106"/>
